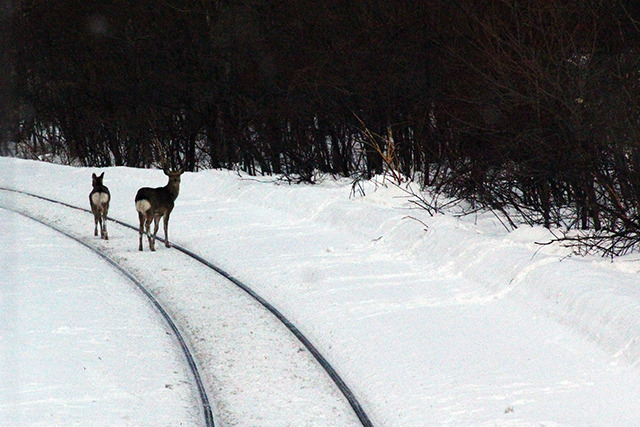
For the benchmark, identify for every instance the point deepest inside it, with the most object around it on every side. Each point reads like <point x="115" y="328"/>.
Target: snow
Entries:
<point x="68" y="323"/>
<point x="430" y="320"/>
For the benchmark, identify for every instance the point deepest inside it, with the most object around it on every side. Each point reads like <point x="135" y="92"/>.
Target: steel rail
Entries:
<point x="206" y="406"/>
<point x="333" y="374"/>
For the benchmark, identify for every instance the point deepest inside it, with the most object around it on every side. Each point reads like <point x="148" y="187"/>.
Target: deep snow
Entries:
<point x="460" y="324"/>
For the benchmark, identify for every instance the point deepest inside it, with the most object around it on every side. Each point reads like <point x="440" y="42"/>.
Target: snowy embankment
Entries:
<point x="595" y="296"/>
<point x="430" y="320"/>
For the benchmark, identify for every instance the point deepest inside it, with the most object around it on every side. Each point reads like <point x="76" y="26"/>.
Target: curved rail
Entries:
<point x="333" y="374"/>
<point x="206" y="406"/>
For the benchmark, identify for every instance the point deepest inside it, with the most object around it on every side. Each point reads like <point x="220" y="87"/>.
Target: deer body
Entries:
<point x="99" y="199"/>
<point x="155" y="203"/>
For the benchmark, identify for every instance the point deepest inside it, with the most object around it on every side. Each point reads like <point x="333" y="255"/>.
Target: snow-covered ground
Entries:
<point x="73" y="333"/>
<point x="460" y="323"/>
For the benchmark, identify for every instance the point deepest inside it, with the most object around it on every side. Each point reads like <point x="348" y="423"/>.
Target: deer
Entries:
<point x="99" y="199"/>
<point x="155" y="203"/>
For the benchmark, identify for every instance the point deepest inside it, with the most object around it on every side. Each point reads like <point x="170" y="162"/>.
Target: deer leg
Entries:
<point x="152" y="241"/>
<point x="104" y="225"/>
<point x="95" y="230"/>
<point x="141" y="229"/>
<point x="166" y="231"/>
<point x="100" y="224"/>
<point x="156" y="225"/>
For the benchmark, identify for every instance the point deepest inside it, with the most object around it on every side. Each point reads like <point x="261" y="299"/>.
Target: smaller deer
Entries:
<point x="99" y="199"/>
<point x="155" y="203"/>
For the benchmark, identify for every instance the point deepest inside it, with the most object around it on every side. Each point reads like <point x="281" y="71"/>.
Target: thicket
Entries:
<point x="529" y="108"/>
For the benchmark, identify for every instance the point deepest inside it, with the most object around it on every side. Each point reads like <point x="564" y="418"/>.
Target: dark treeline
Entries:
<point x="530" y="108"/>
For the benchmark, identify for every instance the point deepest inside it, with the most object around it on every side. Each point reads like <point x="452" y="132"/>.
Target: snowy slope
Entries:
<point x="462" y="323"/>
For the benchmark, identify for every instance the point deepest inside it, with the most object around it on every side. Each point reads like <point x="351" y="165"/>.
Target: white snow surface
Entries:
<point x="430" y="320"/>
<point x="67" y="323"/>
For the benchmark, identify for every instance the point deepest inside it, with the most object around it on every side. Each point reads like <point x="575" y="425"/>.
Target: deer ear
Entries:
<point x="101" y="176"/>
<point x="93" y="176"/>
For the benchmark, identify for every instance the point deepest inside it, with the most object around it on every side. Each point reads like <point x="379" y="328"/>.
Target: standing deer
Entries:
<point x="99" y="199"/>
<point x="155" y="203"/>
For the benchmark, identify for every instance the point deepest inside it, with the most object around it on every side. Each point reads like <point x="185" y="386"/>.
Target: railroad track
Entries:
<point x="322" y="361"/>
<point x="204" y="399"/>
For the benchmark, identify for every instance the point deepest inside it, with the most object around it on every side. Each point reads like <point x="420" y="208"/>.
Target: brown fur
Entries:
<point x="99" y="199"/>
<point x="155" y="203"/>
